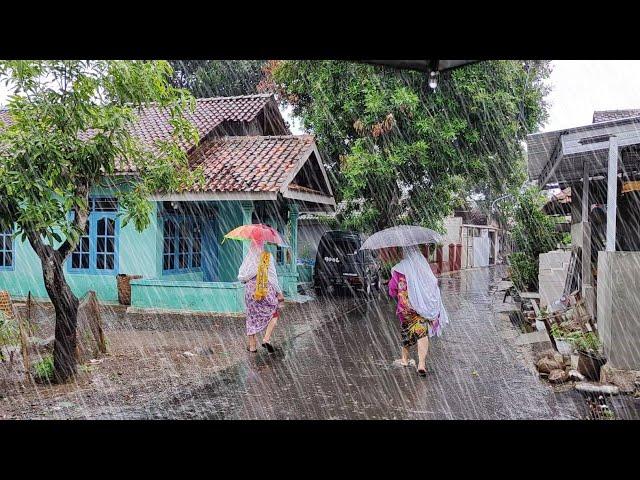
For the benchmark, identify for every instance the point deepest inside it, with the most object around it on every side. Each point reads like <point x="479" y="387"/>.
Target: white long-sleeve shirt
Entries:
<point x="249" y="268"/>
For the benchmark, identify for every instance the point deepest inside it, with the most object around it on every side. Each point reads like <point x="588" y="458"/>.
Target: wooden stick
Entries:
<point x="534" y="304"/>
<point x="98" y="331"/>
<point x="29" y="324"/>
<point x="547" y="326"/>
<point x="24" y="346"/>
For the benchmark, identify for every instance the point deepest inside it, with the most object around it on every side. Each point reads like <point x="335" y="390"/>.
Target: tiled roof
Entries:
<point x="251" y="163"/>
<point x="153" y="122"/>
<point x="607" y="115"/>
<point x="559" y="203"/>
<point x="472" y="216"/>
<point x="231" y="164"/>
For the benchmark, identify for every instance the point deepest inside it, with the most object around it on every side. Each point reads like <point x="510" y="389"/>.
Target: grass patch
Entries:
<point x="44" y="369"/>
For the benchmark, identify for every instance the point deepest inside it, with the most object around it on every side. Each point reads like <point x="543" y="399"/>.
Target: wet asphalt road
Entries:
<point x="345" y="370"/>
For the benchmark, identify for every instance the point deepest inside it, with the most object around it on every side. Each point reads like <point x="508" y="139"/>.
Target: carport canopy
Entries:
<point x="422" y="65"/>
<point x="560" y="157"/>
<point x="608" y="149"/>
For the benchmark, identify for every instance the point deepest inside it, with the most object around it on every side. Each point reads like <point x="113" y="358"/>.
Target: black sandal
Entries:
<point x="270" y="348"/>
<point x="422" y="373"/>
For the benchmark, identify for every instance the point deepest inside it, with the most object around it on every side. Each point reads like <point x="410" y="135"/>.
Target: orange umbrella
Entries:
<point x="256" y="232"/>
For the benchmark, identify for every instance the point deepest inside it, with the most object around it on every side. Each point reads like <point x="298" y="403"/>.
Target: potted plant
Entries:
<point x="590" y="357"/>
<point x="562" y="338"/>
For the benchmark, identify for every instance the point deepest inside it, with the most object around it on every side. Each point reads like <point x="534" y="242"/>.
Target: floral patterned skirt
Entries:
<point x="259" y="312"/>
<point x="414" y="327"/>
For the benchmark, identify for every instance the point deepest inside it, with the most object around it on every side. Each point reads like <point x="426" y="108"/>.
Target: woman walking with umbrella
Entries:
<point x="263" y="294"/>
<point x="420" y="309"/>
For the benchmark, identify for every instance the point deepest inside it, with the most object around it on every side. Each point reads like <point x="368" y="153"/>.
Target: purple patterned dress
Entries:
<point x="413" y="326"/>
<point x="259" y="312"/>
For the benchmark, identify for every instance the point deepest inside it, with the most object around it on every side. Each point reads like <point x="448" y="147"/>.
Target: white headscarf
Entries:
<point x="422" y="284"/>
<point x="249" y="267"/>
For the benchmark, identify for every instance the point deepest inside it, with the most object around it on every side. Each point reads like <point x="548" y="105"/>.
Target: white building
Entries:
<point x="478" y="244"/>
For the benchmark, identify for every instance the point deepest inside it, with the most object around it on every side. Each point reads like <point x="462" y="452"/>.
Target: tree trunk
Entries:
<point x="388" y="209"/>
<point x="65" y="304"/>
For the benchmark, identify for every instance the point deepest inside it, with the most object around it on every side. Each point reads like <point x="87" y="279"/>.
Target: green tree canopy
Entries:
<point x="412" y="153"/>
<point x="218" y="78"/>
<point x="68" y="131"/>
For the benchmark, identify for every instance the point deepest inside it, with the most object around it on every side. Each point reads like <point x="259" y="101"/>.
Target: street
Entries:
<point x="345" y="370"/>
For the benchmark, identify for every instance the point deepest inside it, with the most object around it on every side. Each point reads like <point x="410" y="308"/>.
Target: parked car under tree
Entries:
<point x="342" y="266"/>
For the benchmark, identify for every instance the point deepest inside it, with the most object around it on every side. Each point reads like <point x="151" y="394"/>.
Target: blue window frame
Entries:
<point x="182" y="244"/>
<point x="280" y="255"/>
<point x="97" y="250"/>
<point x="6" y="250"/>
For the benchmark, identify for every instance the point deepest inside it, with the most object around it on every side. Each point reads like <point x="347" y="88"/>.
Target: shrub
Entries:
<point x="524" y="271"/>
<point x="44" y="369"/>
<point x="558" y="332"/>
<point x="9" y="331"/>
<point x="533" y="233"/>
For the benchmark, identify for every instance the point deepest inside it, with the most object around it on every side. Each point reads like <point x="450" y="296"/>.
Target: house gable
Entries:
<point x="309" y="183"/>
<point x="267" y="122"/>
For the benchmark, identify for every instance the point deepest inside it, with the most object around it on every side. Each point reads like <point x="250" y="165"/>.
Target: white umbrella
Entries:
<point x="401" y="236"/>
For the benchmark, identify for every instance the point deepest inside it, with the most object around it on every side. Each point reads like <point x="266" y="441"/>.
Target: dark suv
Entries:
<point x="341" y="265"/>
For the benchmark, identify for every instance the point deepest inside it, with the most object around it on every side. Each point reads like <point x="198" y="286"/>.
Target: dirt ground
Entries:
<point x="151" y="359"/>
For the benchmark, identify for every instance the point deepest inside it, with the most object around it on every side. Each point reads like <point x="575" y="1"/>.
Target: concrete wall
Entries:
<point x="452" y="235"/>
<point x="452" y="226"/>
<point x="576" y="234"/>
<point x="619" y="307"/>
<point x="553" y="267"/>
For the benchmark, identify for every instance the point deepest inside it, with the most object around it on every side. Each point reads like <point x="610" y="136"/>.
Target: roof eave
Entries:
<point x="214" y="196"/>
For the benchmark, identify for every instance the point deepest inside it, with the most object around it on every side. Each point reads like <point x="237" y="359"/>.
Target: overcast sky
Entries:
<point x="578" y="87"/>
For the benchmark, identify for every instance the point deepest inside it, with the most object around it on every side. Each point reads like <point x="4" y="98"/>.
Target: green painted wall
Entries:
<point x="195" y="296"/>
<point x="183" y="277"/>
<point x="230" y="252"/>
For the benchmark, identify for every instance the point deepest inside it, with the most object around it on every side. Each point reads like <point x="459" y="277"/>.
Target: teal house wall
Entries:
<point x="193" y="293"/>
<point x="140" y="253"/>
<point x="255" y="171"/>
<point x="136" y="254"/>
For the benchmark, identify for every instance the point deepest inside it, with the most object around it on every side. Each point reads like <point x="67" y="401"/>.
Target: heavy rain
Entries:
<point x="227" y="239"/>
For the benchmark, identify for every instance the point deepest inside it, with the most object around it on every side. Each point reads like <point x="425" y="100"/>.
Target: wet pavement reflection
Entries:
<point x="345" y="370"/>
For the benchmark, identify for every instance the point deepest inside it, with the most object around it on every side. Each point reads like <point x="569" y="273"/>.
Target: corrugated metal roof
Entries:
<point x="540" y="146"/>
<point x="607" y="115"/>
